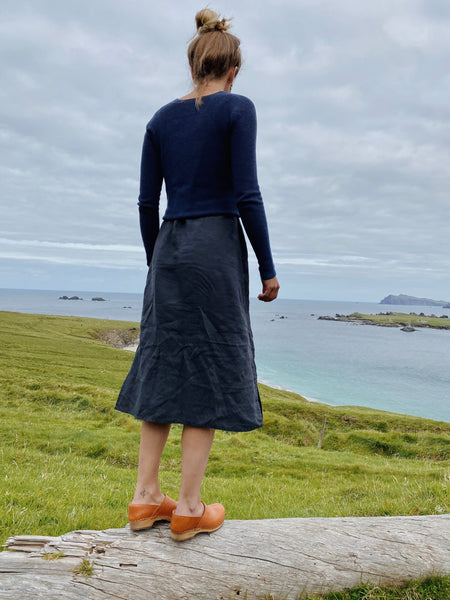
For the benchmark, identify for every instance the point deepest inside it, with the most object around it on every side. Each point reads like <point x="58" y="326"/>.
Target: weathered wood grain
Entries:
<point x="281" y="557"/>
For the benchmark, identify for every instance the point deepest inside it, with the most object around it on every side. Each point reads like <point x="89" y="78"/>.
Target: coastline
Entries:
<point x="275" y="386"/>
<point x="344" y="365"/>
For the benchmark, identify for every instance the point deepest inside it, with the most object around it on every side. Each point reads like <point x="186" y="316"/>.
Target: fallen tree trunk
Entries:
<point x="274" y="558"/>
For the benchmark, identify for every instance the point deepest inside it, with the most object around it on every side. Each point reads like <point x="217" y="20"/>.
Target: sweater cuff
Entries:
<point x="267" y="272"/>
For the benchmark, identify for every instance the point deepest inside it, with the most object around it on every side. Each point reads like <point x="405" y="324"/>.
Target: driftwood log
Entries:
<point x="274" y="558"/>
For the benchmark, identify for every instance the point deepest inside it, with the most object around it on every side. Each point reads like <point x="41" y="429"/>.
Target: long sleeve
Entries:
<point x="149" y="193"/>
<point x="149" y="223"/>
<point x="245" y="184"/>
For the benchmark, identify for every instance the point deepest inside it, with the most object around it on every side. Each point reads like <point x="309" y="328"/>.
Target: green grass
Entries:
<point x="68" y="459"/>
<point x="433" y="588"/>
<point x="86" y="568"/>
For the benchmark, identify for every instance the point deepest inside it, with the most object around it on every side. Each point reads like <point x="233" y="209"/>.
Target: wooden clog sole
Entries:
<point x="146" y="523"/>
<point x="190" y="533"/>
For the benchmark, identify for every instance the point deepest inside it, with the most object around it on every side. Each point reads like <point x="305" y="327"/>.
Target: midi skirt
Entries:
<point x="195" y="361"/>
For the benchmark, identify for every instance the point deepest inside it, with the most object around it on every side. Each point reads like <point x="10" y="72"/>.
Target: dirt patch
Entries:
<point x="119" y="338"/>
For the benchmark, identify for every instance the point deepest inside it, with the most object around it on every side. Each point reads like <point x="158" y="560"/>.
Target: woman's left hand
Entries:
<point x="269" y="290"/>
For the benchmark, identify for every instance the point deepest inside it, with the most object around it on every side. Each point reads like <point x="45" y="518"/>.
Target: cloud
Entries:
<point x="108" y="256"/>
<point x="70" y="245"/>
<point x="353" y="130"/>
<point x="417" y="31"/>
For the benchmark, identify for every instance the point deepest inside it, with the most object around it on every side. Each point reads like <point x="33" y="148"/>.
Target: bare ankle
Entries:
<point x="145" y="495"/>
<point x="191" y="508"/>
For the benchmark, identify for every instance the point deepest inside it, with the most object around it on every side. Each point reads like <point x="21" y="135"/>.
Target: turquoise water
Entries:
<point x="332" y="362"/>
<point x="344" y="363"/>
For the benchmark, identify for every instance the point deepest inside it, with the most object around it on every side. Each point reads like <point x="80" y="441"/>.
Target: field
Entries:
<point x="68" y="459"/>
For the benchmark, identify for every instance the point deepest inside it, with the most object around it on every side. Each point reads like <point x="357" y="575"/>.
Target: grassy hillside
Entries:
<point x="68" y="459"/>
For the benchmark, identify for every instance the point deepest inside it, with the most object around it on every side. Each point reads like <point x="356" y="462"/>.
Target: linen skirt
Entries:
<point x="195" y="361"/>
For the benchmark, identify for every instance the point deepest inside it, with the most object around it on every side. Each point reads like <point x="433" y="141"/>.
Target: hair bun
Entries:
<point x="207" y="20"/>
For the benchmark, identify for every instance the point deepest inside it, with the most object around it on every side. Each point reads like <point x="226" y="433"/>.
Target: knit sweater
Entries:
<point x="207" y="159"/>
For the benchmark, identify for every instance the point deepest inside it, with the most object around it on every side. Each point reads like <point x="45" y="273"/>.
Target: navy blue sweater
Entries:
<point x="206" y="157"/>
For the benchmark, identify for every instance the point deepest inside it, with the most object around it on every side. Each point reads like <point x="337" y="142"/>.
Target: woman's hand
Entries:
<point x="269" y="290"/>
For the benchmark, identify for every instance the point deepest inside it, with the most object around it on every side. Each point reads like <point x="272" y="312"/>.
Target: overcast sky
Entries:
<point x="353" y="103"/>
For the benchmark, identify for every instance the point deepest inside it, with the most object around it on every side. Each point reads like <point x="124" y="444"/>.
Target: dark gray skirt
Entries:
<point x="195" y="361"/>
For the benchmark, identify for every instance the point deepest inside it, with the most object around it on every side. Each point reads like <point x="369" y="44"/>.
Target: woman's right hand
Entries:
<point x="269" y="290"/>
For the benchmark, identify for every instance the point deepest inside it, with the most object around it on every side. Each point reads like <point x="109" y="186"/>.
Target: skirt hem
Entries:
<point x="180" y="421"/>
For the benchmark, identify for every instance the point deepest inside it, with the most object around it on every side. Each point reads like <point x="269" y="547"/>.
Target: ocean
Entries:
<point x="332" y="362"/>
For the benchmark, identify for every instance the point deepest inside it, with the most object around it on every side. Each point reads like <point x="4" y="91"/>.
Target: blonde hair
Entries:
<point x="213" y="51"/>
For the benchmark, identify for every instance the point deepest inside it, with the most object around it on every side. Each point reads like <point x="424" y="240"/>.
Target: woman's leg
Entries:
<point x="195" y="447"/>
<point x="153" y="440"/>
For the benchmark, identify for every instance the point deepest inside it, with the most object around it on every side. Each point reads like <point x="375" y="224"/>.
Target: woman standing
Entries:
<point x="195" y="361"/>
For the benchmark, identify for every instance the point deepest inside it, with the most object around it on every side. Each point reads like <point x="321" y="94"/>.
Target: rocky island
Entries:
<point x="404" y="300"/>
<point x="96" y="298"/>
<point x="407" y="322"/>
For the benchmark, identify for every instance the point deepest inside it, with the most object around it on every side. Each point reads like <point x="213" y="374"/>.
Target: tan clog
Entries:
<point x="183" y="528"/>
<point x="142" y="516"/>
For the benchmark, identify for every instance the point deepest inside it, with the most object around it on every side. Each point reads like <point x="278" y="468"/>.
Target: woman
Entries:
<point x="195" y="361"/>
